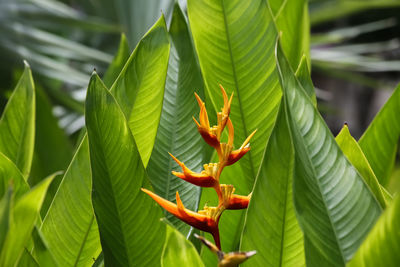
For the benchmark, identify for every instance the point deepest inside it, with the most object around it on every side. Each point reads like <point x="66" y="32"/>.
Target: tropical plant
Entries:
<point x="306" y="198"/>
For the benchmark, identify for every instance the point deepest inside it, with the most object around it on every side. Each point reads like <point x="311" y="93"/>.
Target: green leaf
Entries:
<point x="9" y="174"/>
<point x="27" y="260"/>
<point x="5" y="204"/>
<point x="53" y="150"/>
<point x="178" y="251"/>
<point x="69" y="227"/>
<point x="41" y="251"/>
<point x="24" y="215"/>
<point x="139" y="89"/>
<point x="382" y="245"/>
<point x="235" y="43"/>
<point x="177" y="133"/>
<point x="17" y="124"/>
<point x="118" y="62"/>
<point x="380" y="140"/>
<point x="271" y="226"/>
<point x="354" y="154"/>
<point x="291" y="18"/>
<point x="131" y="233"/>
<point x="335" y="208"/>
<point x="304" y="77"/>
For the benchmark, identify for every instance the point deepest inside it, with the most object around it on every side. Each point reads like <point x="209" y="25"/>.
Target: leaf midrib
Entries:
<point x="84" y="241"/>
<point x="236" y="83"/>
<point x="125" y="249"/>
<point x="320" y="190"/>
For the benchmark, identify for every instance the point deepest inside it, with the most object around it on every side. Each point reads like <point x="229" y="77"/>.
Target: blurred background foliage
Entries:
<point x="355" y="55"/>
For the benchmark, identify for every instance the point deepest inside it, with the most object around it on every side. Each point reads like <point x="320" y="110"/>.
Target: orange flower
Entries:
<point x="212" y="135"/>
<point x="232" y="201"/>
<point x="239" y="153"/>
<point x="204" y="179"/>
<point x="205" y="220"/>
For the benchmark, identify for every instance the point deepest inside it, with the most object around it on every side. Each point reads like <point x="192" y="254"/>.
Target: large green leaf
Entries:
<point x="271" y="225"/>
<point x="17" y="124"/>
<point x="177" y="133"/>
<point x="235" y="43"/>
<point x="131" y="233"/>
<point x="380" y="140"/>
<point x="69" y="227"/>
<point x="354" y="154"/>
<point x="9" y="174"/>
<point x="24" y="214"/>
<point x="334" y="206"/>
<point x="382" y="245"/>
<point x="53" y="150"/>
<point x="118" y="62"/>
<point x="291" y="18"/>
<point x="139" y="89"/>
<point x="178" y="251"/>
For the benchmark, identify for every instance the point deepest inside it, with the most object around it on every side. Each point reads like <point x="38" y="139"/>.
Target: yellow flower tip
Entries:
<point x="231" y="132"/>
<point x="198" y="124"/>
<point x="245" y="143"/>
<point x="224" y="95"/>
<point x="179" y="174"/>
<point x="204" y="117"/>
<point x="199" y="101"/>
<point x="181" y="207"/>
<point x="230" y="100"/>
<point x="176" y="160"/>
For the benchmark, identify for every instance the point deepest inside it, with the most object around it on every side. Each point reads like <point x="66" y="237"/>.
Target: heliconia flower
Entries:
<point x="212" y="134"/>
<point x="232" y="201"/>
<point x="206" y="220"/>
<point x="239" y="153"/>
<point x="204" y="179"/>
<point x="231" y="259"/>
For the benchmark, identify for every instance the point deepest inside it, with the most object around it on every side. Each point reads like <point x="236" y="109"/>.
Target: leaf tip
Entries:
<point x="26" y="64"/>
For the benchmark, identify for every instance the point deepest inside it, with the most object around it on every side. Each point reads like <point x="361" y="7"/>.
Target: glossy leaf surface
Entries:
<point x="139" y="88"/>
<point x="379" y="142"/>
<point x="69" y="227"/>
<point x="334" y="206"/>
<point x="17" y="124"/>
<point x="131" y="233"/>
<point x="353" y="152"/>
<point x="177" y="133"/>
<point x="382" y="245"/>
<point x="235" y="41"/>
<point x="271" y="226"/>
